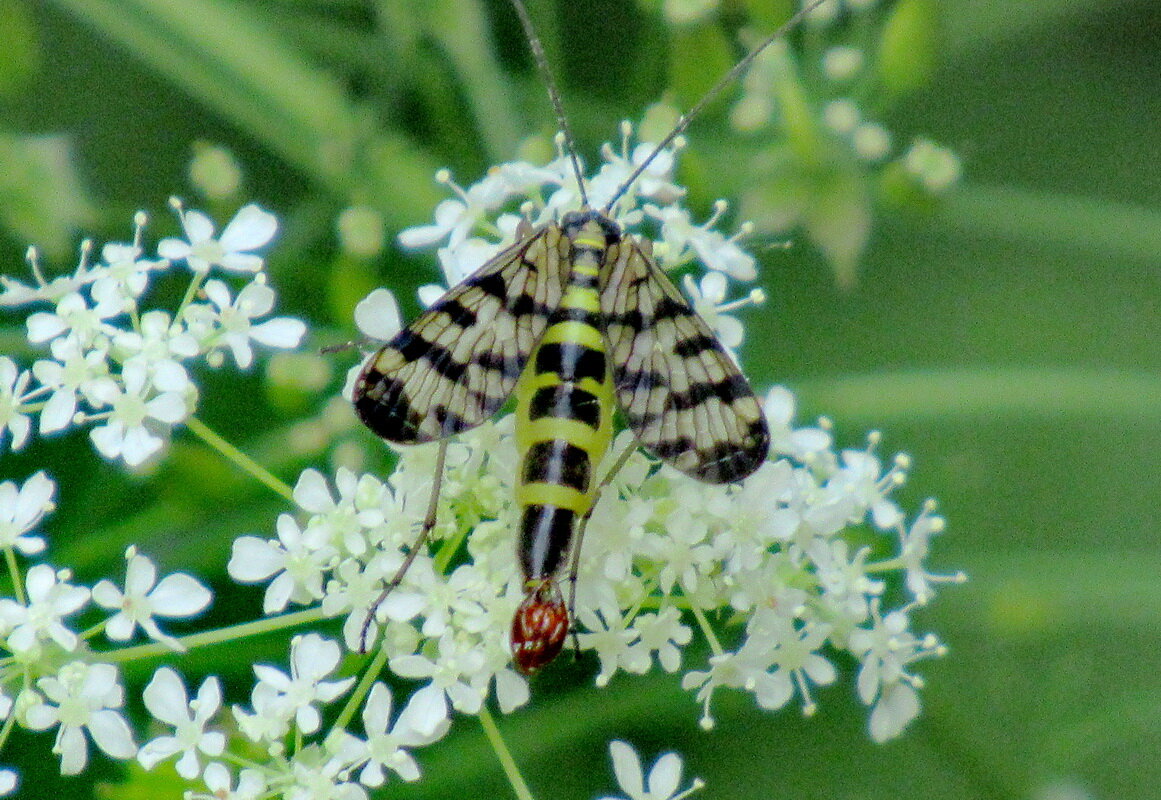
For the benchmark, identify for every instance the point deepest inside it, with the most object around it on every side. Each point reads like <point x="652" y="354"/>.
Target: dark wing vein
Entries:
<point x="455" y="365"/>
<point x="683" y="396"/>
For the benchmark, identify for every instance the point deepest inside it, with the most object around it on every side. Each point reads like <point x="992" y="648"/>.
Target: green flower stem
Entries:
<point x="240" y="459"/>
<point x="707" y="630"/>
<point x="355" y="701"/>
<point x="496" y="739"/>
<point x="16" y="575"/>
<point x="6" y="731"/>
<point x="191" y="292"/>
<point x="232" y="633"/>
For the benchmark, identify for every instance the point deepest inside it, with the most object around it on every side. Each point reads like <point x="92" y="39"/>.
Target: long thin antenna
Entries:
<point x="553" y="94"/>
<point x="698" y="107"/>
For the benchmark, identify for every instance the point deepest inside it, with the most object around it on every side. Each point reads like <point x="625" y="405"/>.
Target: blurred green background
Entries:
<point x="1008" y="340"/>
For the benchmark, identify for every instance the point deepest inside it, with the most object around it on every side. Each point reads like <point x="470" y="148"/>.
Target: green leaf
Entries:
<point x="907" y="46"/>
<point x="698" y="56"/>
<point x="838" y="220"/>
<point x="20" y="57"/>
<point x="42" y="198"/>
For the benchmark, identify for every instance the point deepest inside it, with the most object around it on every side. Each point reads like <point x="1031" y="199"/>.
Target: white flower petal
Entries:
<point x="179" y="595"/>
<point x="284" y="332"/>
<point x="166" y="698"/>
<point x="377" y="315"/>
<point x="627" y="768"/>
<point x="251" y="227"/>
<point x="112" y="734"/>
<point x="253" y="559"/>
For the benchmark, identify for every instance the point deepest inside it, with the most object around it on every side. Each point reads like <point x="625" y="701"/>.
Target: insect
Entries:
<point x="574" y="318"/>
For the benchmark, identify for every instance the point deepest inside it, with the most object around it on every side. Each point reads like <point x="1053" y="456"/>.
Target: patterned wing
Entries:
<point x="454" y="366"/>
<point x="684" y="397"/>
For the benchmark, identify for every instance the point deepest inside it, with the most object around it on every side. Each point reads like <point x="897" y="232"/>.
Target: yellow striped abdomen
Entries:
<point x="564" y="404"/>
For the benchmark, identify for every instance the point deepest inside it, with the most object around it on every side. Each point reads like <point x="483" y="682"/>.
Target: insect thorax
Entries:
<point x="574" y="222"/>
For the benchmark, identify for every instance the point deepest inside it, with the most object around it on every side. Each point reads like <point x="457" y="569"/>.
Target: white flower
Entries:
<point x="312" y="658"/>
<point x="915" y="547"/>
<point x="715" y="251"/>
<point x="664" y="776"/>
<point x="123" y="279"/>
<point x="167" y="701"/>
<point x="655" y="183"/>
<point x="250" y="229"/>
<point x="50" y="599"/>
<point x="344" y="523"/>
<point x="72" y="371"/>
<point x="298" y="560"/>
<point x="9" y="779"/>
<point x="22" y="509"/>
<point x="73" y="317"/>
<point x="843" y="578"/>
<point x="138" y="420"/>
<point x="235" y="327"/>
<point x="270" y="719"/>
<point x="161" y="345"/>
<point x="383" y="749"/>
<point x="605" y="633"/>
<point x="709" y="301"/>
<point x="317" y="773"/>
<point x="451" y="672"/>
<point x="520" y="177"/>
<point x="804" y="444"/>
<point x="458" y="263"/>
<point x="13" y="385"/>
<point x="14" y="293"/>
<point x="455" y="219"/>
<point x="251" y="784"/>
<point x="711" y="247"/>
<point x="896" y="708"/>
<point x="82" y="697"/>
<point x="177" y="595"/>
<point x="377" y="315"/>
<point x="862" y="478"/>
<point x="792" y="654"/>
<point x="664" y="634"/>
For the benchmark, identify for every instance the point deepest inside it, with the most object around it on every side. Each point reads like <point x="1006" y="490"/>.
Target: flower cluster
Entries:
<point x="476" y="225"/>
<point x="801" y="560"/>
<point x="53" y="680"/>
<point x="124" y="369"/>
<point x="846" y="71"/>
<point x="803" y="552"/>
<point x="56" y="682"/>
<point x="81" y="697"/>
<point x="812" y="145"/>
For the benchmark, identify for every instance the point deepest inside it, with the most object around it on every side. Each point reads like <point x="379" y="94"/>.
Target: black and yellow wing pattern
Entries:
<point x="681" y="393"/>
<point x="455" y="365"/>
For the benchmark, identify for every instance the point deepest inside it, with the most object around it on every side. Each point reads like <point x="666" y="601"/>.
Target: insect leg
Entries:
<point x="420" y="542"/>
<point x="362" y="341"/>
